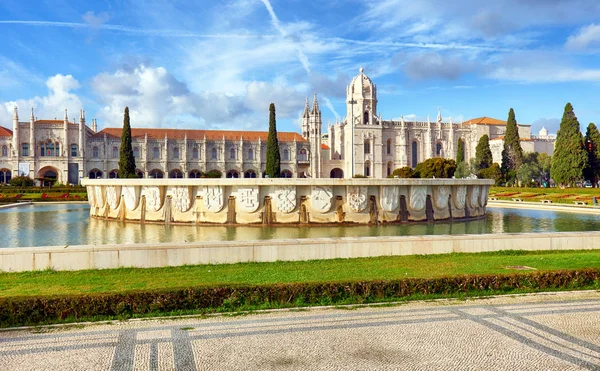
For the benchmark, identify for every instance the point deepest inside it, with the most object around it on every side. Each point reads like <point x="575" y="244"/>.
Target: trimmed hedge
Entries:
<point x="17" y="311"/>
<point x="75" y="189"/>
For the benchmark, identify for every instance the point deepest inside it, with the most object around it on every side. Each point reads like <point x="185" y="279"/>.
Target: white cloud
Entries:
<point x="588" y="36"/>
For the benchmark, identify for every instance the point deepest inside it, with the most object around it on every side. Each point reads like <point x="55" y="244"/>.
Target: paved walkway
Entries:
<point x="538" y="332"/>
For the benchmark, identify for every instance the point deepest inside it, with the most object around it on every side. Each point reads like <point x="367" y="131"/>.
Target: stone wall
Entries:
<point x="286" y="201"/>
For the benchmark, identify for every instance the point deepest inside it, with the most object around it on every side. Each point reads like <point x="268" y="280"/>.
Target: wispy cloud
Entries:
<point x="588" y="36"/>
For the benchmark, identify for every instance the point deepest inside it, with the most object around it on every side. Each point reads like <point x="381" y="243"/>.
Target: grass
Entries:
<point x="366" y="269"/>
<point x="556" y="195"/>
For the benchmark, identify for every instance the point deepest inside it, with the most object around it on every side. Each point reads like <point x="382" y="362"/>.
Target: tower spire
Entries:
<point x="315" y="108"/>
<point x="66" y="116"/>
<point x="15" y="113"/>
<point x="439" y="116"/>
<point x="306" y="109"/>
<point x="31" y="117"/>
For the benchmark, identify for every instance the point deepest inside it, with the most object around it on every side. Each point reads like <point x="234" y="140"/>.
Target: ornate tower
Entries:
<point x="15" y="133"/>
<point x="361" y="100"/>
<point x="305" y="121"/>
<point x="314" y="139"/>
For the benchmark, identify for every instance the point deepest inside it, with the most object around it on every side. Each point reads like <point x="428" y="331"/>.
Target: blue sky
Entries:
<point x="218" y="65"/>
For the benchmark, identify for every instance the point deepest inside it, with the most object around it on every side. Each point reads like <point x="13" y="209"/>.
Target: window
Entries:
<point x="4" y="151"/>
<point x="249" y="174"/>
<point x="114" y="174"/>
<point x="366" y="120"/>
<point x="156" y="174"/>
<point x="175" y="174"/>
<point x="286" y="174"/>
<point x="25" y="149"/>
<point x="367" y="146"/>
<point x="5" y="176"/>
<point x="195" y="153"/>
<point x="286" y="155"/>
<point x="73" y="150"/>
<point x="95" y="153"/>
<point x="415" y="154"/>
<point x="195" y="174"/>
<point x="367" y="169"/>
<point x="389" y="146"/>
<point x="232" y="174"/>
<point x="251" y="157"/>
<point x="438" y="149"/>
<point x="303" y="155"/>
<point x="95" y="174"/>
<point x="232" y="154"/>
<point x="176" y="153"/>
<point x="136" y="152"/>
<point x="139" y="173"/>
<point x="214" y="154"/>
<point x="155" y="153"/>
<point x="48" y="149"/>
<point x="115" y="152"/>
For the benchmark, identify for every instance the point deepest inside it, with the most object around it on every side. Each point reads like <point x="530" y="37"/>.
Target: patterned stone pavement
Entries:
<point x="536" y="332"/>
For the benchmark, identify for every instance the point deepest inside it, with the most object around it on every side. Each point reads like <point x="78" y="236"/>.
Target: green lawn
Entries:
<point x="383" y="268"/>
<point x="557" y="195"/>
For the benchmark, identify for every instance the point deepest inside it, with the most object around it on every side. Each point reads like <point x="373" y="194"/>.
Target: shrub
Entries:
<point x="492" y="172"/>
<point x="359" y="176"/>
<point x="436" y="167"/>
<point x="403" y="172"/>
<point x="212" y="174"/>
<point x="21" y="181"/>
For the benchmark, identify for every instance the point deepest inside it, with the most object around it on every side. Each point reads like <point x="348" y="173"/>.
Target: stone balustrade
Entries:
<point x="286" y="201"/>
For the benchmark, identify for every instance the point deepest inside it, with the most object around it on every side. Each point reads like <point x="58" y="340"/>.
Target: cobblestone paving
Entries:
<point x="537" y="332"/>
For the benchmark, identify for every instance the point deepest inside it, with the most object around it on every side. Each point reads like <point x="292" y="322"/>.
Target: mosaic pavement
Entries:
<point x="538" y="332"/>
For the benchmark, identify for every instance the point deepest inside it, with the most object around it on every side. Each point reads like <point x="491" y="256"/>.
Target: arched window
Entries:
<point x="250" y="174"/>
<point x="214" y="154"/>
<point x="303" y="155"/>
<point x="415" y="153"/>
<point x="336" y="173"/>
<point x="136" y="152"/>
<point x="139" y="173"/>
<point x="438" y="149"/>
<point x="155" y="153"/>
<point x="366" y="119"/>
<point x="5" y="176"/>
<point x="95" y="152"/>
<point x="48" y="149"/>
<point x="175" y="174"/>
<point x="367" y="168"/>
<point x="286" y="155"/>
<point x="367" y="146"/>
<point x="95" y="174"/>
<point x="115" y="152"/>
<point x="232" y="154"/>
<point x="4" y="151"/>
<point x="389" y="147"/>
<point x="195" y="174"/>
<point x="176" y="153"/>
<point x="156" y="174"/>
<point x="286" y="174"/>
<point x="195" y="153"/>
<point x="389" y="168"/>
<point x="113" y="174"/>
<point x="251" y="156"/>
<point x="233" y="174"/>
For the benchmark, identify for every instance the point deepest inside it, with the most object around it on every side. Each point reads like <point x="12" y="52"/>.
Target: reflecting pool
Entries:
<point x="68" y="224"/>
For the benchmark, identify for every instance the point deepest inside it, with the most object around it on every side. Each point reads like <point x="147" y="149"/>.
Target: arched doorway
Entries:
<point x="48" y="176"/>
<point x="336" y="173"/>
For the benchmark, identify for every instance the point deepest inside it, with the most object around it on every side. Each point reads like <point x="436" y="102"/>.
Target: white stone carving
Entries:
<point x="91" y="198"/>
<point x="285" y="198"/>
<point x="99" y="196"/>
<point x="180" y="198"/>
<point x="213" y="198"/>
<point x="483" y="195"/>
<point x="357" y="198"/>
<point x="131" y="196"/>
<point x="390" y="197"/>
<point x="461" y="197"/>
<point x="247" y="199"/>
<point x="113" y="196"/>
<point x="474" y="196"/>
<point x="153" y="198"/>
<point x="441" y="198"/>
<point x="418" y="197"/>
<point x="320" y="198"/>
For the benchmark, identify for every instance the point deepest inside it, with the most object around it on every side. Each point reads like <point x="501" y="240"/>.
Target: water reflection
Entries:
<point x="59" y="225"/>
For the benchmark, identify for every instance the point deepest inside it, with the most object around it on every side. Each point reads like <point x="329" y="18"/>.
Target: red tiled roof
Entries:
<point x="4" y="132"/>
<point x="485" y="121"/>
<point x="180" y="134"/>
<point x="324" y="146"/>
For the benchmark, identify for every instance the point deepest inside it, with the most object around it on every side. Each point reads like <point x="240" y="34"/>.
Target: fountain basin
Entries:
<point x="286" y="201"/>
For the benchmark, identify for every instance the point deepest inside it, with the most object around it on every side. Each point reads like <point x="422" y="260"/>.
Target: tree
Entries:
<point x="592" y="146"/>
<point x="126" y="159"/>
<point x="545" y="163"/>
<point x="437" y="167"/>
<point x="21" y="181"/>
<point x="512" y="154"/>
<point x="403" y="172"/>
<point x="492" y="172"/>
<point x="483" y="153"/>
<point x="569" y="156"/>
<point x="460" y="152"/>
<point x="273" y="156"/>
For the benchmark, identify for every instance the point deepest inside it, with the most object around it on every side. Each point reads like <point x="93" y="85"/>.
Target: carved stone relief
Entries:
<point x="441" y="196"/>
<point x="418" y="197"/>
<point x="213" y="198"/>
<point x="483" y="195"/>
<point x="247" y="199"/>
<point x="460" y="197"/>
<point x="131" y="196"/>
<point x="180" y="198"/>
<point x="357" y="198"/>
<point x="285" y="198"/>
<point x="113" y="196"/>
<point x="99" y="196"/>
<point x="320" y="198"/>
<point x="390" y="197"/>
<point x="474" y="196"/>
<point x="153" y="198"/>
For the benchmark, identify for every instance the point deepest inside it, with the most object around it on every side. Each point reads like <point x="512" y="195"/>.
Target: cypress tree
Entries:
<point x="512" y="154"/>
<point x="273" y="157"/>
<point x="483" y="153"/>
<point x="126" y="159"/>
<point x="460" y="152"/>
<point x="569" y="158"/>
<point x="592" y="145"/>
